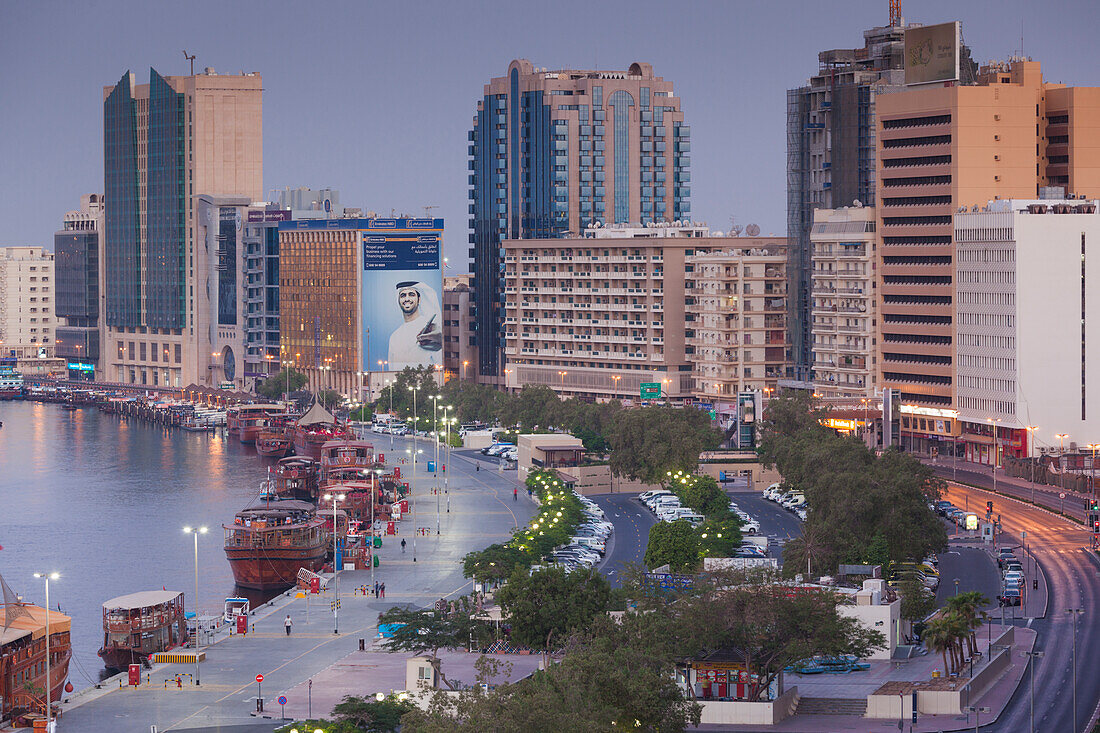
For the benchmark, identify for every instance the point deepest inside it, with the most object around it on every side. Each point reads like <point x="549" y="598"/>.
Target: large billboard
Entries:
<point x="932" y="53"/>
<point x="402" y="293"/>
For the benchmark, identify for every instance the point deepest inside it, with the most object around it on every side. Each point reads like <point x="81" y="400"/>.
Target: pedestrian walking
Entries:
<point x="288" y="623"/>
<point x="376" y="589"/>
<point x="478" y="467"/>
<point x="515" y="494"/>
<point x="402" y="545"/>
<point x="382" y="589"/>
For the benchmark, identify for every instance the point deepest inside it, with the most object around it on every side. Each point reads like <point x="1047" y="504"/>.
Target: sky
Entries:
<point x="375" y="99"/>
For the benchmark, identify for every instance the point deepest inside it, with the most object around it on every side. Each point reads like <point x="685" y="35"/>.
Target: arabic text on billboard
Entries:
<point x="402" y="297"/>
<point x="932" y="53"/>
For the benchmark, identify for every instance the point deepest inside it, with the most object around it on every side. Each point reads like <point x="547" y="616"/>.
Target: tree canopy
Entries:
<point x="675" y="544"/>
<point x="547" y="606"/>
<point x="862" y="507"/>
<point x="275" y="386"/>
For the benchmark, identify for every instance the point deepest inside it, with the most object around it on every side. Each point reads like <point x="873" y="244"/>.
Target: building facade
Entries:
<point x="76" y="269"/>
<point x="736" y="318"/>
<point x="459" y="340"/>
<point x="165" y="144"/>
<point x="552" y="152"/>
<point x="27" y="305"/>
<point x="943" y="148"/>
<point x="843" y="291"/>
<point x="1028" y="330"/>
<point x="831" y="154"/>
<point x="343" y="313"/>
<point x="597" y="316"/>
<point x="261" y="271"/>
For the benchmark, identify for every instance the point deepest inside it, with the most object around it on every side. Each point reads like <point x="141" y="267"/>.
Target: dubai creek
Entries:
<point x="103" y="500"/>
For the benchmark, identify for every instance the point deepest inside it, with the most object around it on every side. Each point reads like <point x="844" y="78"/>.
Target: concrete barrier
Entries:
<point x="737" y="712"/>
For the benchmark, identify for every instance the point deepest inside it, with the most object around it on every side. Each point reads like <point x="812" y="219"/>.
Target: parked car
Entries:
<point x="646" y="495"/>
<point x="1014" y="580"/>
<point x="1010" y="597"/>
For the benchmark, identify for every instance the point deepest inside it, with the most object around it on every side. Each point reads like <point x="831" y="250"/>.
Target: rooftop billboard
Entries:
<point x="932" y="53"/>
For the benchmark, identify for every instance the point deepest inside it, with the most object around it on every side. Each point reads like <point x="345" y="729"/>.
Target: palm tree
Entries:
<point x="969" y="608"/>
<point x="939" y="638"/>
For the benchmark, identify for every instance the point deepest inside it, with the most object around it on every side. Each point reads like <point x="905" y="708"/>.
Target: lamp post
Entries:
<point x="446" y="475"/>
<point x="562" y="375"/>
<point x="464" y="365"/>
<point x="1033" y="655"/>
<point x="195" y="532"/>
<point x="1031" y="456"/>
<point x="996" y="449"/>
<point x="435" y="477"/>
<point x="47" y="577"/>
<point x="373" y="490"/>
<point x="335" y="568"/>
<point x="1074" y="613"/>
<point x="412" y="490"/>
<point x="1061" y="456"/>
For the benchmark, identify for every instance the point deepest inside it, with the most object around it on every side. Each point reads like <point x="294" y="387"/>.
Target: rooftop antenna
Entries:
<point x="428" y="211"/>
<point x="190" y="58"/>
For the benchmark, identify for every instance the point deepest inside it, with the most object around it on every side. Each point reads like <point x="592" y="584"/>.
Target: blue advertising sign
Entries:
<point x="394" y="252"/>
<point x="81" y="367"/>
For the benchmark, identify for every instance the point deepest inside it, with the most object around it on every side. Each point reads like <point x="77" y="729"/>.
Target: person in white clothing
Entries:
<point x="419" y="340"/>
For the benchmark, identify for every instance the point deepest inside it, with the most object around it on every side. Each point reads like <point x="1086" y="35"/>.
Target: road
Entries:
<point x="975" y="569"/>
<point x="628" y="541"/>
<point x="1074" y="582"/>
<point x="778" y="524"/>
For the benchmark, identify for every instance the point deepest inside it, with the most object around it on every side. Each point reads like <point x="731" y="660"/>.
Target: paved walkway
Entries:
<point x="482" y="512"/>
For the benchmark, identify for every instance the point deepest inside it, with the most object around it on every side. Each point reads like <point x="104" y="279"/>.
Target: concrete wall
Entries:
<point x="749" y="713"/>
<point x="890" y="707"/>
<point x="881" y="618"/>
<point x="759" y="477"/>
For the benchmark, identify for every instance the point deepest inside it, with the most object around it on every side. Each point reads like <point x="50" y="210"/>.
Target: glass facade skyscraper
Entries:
<point x="543" y="165"/>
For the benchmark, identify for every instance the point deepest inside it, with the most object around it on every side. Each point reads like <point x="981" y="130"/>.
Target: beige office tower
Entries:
<point x="942" y="147"/>
<point x="171" y="294"/>
<point x="27" y="303"/>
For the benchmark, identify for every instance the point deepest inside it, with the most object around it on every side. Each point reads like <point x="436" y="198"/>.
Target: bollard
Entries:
<point x="362" y="645"/>
<point x="259" y="704"/>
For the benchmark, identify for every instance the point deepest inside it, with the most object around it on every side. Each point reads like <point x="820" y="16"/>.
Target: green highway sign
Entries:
<point x="651" y="390"/>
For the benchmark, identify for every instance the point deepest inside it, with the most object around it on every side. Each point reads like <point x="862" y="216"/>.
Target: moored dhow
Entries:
<point x="267" y="544"/>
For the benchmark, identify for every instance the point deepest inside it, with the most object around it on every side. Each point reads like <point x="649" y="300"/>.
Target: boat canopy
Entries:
<point x="142" y="599"/>
<point x="317" y="415"/>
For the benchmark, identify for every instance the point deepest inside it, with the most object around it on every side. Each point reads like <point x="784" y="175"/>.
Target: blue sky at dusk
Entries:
<point x="375" y="99"/>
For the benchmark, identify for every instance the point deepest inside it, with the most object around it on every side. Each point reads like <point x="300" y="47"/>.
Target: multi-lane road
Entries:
<point x="1073" y="575"/>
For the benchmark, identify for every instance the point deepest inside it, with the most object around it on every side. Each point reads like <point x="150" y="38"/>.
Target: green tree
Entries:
<point x="495" y="563"/>
<point x="968" y="608"/>
<point x="401" y="393"/>
<point x="720" y="536"/>
<point x="551" y="604"/>
<point x="275" y="386"/>
<point x="329" y="398"/>
<point x="362" y="413"/>
<point x="368" y="714"/>
<point x="675" y="544"/>
<point x="648" y="442"/>
<point x="917" y="602"/>
<point x="473" y="402"/>
<point x="425" y="631"/>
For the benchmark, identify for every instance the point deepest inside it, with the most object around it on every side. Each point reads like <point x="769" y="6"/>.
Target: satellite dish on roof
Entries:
<point x="752" y="230"/>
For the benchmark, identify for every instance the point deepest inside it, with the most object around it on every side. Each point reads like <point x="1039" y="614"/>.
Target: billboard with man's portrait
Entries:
<point x="402" y="291"/>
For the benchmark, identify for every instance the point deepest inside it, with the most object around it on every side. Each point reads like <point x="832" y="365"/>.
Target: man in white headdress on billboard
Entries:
<point x="419" y="340"/>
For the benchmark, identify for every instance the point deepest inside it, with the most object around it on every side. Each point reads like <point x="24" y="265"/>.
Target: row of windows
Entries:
<point x="998" y="320"/>
<point x="916" y="121"/>
<point x="986" y="255"/>
<point x="987" y="341"/>
<point x="985" y="406"/>
<point x="987" y="298"/>
<point x="978" y="361"/>
<point x="916" y="160"/>
<point x="984" y="234"/>
<point x="916" y="181"/>
<point x="152" y="351"/>
<point x="993" y="277"/>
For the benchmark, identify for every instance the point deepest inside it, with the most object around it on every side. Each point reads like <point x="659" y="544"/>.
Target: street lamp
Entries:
<point x="1031" y="662"/>
<point x="996" y="449"/>
<point x="435" y="436"/>
<point x="195" y="532"/>
<point x="562" y="375"/>
<point x="464" y="365"/>
<point x="448" y="421"/>
<point x="412" y="490"/>
<point x="1030" y="456"/>
<point x="1061" y="456"/>
<point x="286" y="365"/>
<point x="47" y="577"/>
<point x="335" y="567"/>
<point x="1074" y="613"/>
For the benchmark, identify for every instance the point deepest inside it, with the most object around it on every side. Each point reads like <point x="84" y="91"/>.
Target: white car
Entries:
<point x="750" y="527"/>
<point x="646" y="495"/>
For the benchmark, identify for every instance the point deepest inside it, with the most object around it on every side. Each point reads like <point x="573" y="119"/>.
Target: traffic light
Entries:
<point x="989" y="506"/>
<point x="1094" y="505"/>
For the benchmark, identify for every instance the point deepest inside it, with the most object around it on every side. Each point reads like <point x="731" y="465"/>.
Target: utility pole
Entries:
<point x="190" y="58"/>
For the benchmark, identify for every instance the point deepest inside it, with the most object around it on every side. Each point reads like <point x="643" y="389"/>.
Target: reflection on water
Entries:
<point x="103" y="501"/>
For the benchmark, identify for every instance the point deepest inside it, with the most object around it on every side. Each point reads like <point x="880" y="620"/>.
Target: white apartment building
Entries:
<point x="737" y="337"/>
<point x="27" y="318"/>
<point x="843" y="302"/>
<point x="1028" y="327"/>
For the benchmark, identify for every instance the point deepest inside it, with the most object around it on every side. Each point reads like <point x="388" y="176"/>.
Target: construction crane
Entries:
<point x="428" y="211"/>
<point x="191" y="58"/>
<point x="895" y="13"/>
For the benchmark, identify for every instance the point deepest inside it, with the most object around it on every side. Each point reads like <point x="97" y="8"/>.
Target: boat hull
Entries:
<point x="248" y="433"/>
<point x="273" y="448"/>
<point x="120" y="658"/>
<point x="272" y="569"/>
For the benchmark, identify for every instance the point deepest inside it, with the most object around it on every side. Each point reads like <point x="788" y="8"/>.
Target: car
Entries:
<point x="645" y="495"/>
<point x="800" y="513"/>
<point x="752" y="551"/>
<point x="1012" y="567"/>
<point x="1014" y="580"/>
<point x="1011" y="597"/>
<point x="1004" y="555"/>
<point x="750" y="527"/>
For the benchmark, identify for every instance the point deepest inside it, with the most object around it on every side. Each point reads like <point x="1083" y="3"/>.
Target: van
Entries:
<point x="398" y="428"/>
<point x="693" y="519"/>
<point x="594" y="542"/>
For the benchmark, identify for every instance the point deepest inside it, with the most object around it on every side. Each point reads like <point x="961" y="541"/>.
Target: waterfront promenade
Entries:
<point x="482" y="512"/>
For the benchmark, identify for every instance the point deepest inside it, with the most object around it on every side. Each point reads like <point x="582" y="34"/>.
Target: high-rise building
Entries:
<point x="552" y="152"/>
<point x="261" y="270"/>
<point x="76" y="271"/>
<point x="1028" y="328"/>
<point x="326" y="200"/>
<point x="358" y="296"/>
<point x="459" y="342"/>
<point x="831" y="154"/>
<point x="27" y="315"/>
<point x="599" y="315"/>
<point x="943" y="147"/>
<point x="165" y="144"/>
<point x="736" y="318"/>
<point x="843" y="290"/>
